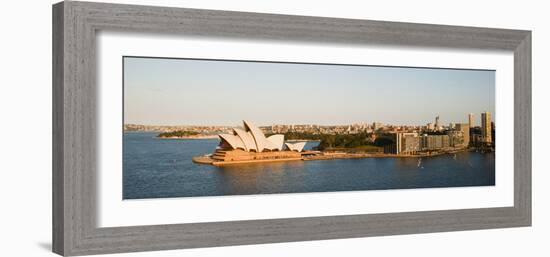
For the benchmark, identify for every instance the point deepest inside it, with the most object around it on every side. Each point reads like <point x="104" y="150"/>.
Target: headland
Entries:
<point x="250" y="145"/>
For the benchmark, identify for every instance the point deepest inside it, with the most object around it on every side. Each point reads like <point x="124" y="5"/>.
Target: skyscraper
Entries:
<point x="486" y="128"/>
<point x="437" y="122"/>
<point x="471" y="120"/>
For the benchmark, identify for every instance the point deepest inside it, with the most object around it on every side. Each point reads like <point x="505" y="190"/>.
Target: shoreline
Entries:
<point x="186" y="137"/>
<point x="303" y="140"/>
<point x="189" y="137"/>
<point x="316" y="156"/>
<point x="343" y="155"/>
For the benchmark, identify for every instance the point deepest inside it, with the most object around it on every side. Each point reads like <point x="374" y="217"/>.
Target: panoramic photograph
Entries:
<point x="201" y="127"/>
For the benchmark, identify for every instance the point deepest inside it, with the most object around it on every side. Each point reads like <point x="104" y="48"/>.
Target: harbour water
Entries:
<point x="163" y="168"/>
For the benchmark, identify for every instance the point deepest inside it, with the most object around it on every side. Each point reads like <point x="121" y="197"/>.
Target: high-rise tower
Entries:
<point x="486" y="128"/>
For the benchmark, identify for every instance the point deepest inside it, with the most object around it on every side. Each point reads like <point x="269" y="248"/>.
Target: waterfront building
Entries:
<point x="407" y="143"/>
<point x="252" y="139"/>
<point x="445" y="141"/>
<point x="476" y="140"/>
<point x="390" y="149"/>
<point x="249" y="144"/>
<point x="297" y="147"/>
<point x="455" y="138"/>
<point x="486" y="128"/>
<point x="434" y="142"/>
<point x="464" y="128"/>
<point x="493" y="133"/>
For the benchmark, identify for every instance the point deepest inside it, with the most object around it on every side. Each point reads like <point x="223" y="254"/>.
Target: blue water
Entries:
<point x="160" y="168"/>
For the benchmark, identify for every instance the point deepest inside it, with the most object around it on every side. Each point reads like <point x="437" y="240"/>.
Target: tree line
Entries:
<point x="331" y="141"/>
<point x="179" y="133"/>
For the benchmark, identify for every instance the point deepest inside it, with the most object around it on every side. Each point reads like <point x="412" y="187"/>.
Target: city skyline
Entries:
<point x="477" y="124"/>
<point x="209" y="92"/>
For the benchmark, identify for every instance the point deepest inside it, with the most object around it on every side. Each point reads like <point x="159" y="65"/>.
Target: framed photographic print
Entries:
<point x="183" y="128"/>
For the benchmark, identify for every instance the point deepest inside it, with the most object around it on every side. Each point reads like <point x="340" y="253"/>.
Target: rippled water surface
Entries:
<point x="159" y="168"/>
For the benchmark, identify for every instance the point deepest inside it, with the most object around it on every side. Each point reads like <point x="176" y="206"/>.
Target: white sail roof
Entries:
<point x="234" y="141"/>
<point x="261" y="142"/>
<point x="299" y="146"/>
<point x="277" y="141"/>
<point x="246" y="137"/>
<point x="253" y="139"/>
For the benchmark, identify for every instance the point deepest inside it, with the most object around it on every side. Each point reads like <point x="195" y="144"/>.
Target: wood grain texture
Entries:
<point x="58" y="230"/>
<point x="522" y="129"/>
<point x="74" y="124"/>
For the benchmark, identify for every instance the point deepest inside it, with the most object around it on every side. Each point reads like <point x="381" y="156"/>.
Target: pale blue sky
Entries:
<point x="204" y="92"/>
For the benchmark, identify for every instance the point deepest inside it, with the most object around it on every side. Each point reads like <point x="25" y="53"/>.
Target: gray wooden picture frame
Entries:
<point x="75" y="25"/>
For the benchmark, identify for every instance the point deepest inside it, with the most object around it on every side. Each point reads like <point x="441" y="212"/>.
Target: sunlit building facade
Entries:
<point x="486" y="134"/>
<point x="249" y="144"/>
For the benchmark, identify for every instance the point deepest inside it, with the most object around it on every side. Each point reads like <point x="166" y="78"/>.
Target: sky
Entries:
<point x="161" y="91"/>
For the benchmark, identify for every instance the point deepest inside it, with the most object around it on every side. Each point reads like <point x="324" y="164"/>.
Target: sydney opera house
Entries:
<point x="249" y="144"/>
